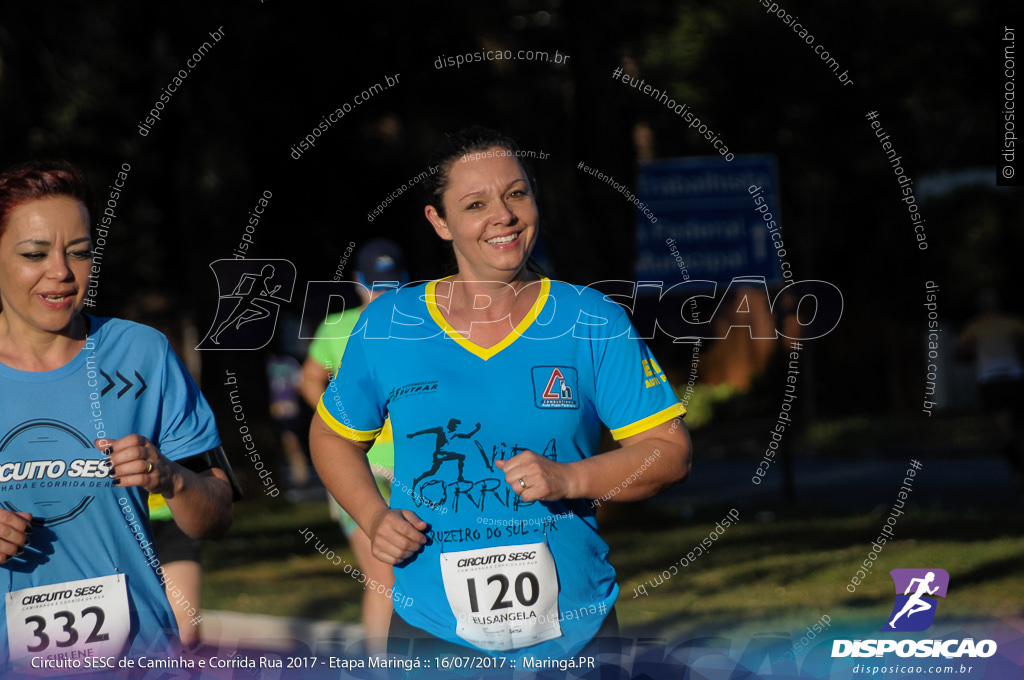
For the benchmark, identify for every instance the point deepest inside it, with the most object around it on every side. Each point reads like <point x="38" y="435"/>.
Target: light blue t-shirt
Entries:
<point x="126" y="380"/>
<point x="455" y="409"/>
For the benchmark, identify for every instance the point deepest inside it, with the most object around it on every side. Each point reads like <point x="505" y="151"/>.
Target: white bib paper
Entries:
<point x="504" y="597"/>
<point x="63" y="622"/>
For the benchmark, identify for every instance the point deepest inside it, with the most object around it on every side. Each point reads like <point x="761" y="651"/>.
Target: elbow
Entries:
<point x="317" y="431"/>
<point x="684" y="460"/>
<point x="682" y="472"/>
<point x="307" y="396"/>
<point x="215" y="527"/>
<point x="678" y="469"/>
<point x="687" y="465"/>
<point x="220" y="527"/>
<point x="216" y="521"/>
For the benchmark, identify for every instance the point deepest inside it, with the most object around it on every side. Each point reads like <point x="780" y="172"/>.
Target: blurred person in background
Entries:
<point x="181" y="558"/>
<point x="378" y="262"/>
<point x="97" y="414"/>
<point x="995" y="340"/>
<point x="284" y="380"/>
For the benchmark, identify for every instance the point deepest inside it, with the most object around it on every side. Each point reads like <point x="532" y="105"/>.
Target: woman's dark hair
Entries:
<point x="33" y="180"/>
<point x="453" y="147"/>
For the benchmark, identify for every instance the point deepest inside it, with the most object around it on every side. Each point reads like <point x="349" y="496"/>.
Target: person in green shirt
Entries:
<point x="378" y="261"/>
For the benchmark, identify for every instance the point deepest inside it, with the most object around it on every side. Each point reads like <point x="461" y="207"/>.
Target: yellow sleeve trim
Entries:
<point x="387" y="435"/>
<point x="647" y="423"/>
<point x="344" y="430"/>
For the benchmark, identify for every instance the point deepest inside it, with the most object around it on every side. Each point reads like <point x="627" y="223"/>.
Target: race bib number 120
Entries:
<point x="68" y="621"/>
<point x="504" y="597"/>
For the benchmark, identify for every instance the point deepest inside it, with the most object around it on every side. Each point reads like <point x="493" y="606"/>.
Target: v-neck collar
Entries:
<point x="485" y="353"/>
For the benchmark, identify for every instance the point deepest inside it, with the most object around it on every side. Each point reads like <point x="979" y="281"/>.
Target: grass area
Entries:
<point x="786" y="573"/>
<point x="779" y="574"/>
<point x="265" y="566"/>
<point x="857" y="434"/>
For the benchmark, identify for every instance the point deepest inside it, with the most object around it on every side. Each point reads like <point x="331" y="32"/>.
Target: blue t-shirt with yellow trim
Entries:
<point x="456" y="408"/>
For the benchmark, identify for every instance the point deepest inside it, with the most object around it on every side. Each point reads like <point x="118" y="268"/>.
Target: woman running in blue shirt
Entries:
<point x="494" y="543"/>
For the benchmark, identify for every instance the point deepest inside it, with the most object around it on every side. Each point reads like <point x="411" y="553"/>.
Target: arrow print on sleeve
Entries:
<point x="110" y="383"/>
<point x="127" y="384"/>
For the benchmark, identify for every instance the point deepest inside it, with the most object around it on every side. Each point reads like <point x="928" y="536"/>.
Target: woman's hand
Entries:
<point x="14" y="530"/>
<point x="200" y="502"/>
<point x="395" y="535"/>
<point x="536" y="478"/>
<point x="136" y="461"/>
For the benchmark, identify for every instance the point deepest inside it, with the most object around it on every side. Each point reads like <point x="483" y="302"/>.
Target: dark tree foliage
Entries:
<point x="77" y="79"/>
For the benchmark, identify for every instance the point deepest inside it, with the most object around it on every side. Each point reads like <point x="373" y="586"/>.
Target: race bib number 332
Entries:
<point x="70" y="620"/>
<point x="504" y="597"/>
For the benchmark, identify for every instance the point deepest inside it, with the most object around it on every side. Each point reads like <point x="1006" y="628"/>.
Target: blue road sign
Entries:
<point x="708" y="221"/>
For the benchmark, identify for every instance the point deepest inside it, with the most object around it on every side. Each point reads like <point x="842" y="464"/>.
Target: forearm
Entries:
<point x="314" y="381"/>
<point x="638" y="470"/>
<point x="345" y="471"/>
<point x="201" y="502"/>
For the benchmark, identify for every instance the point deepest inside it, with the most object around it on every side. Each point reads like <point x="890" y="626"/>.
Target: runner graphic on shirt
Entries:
<point x="443" y="440"/>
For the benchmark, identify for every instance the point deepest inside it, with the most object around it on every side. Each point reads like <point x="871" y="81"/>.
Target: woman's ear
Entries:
<point x="438" y="222"/>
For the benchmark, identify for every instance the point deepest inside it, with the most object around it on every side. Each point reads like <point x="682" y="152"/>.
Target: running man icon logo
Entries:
<point x="915" y="608"/>
<point x="251" y="295"/>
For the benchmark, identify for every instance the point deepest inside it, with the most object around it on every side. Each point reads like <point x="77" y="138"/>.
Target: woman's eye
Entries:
<point x="474" y="205"/>
<point x="81" y="254"/>
<point x="518" y="193"/>
<point x="33" y="256"/>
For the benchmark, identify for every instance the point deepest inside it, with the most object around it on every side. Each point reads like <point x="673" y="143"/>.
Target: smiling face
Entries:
<point x="490" y="216"/>
<point x="45" y="258"/>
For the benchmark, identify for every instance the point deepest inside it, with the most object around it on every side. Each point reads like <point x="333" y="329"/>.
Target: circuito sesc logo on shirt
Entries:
<point x="59" y="478"/>
<point x="555" y="387"/>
